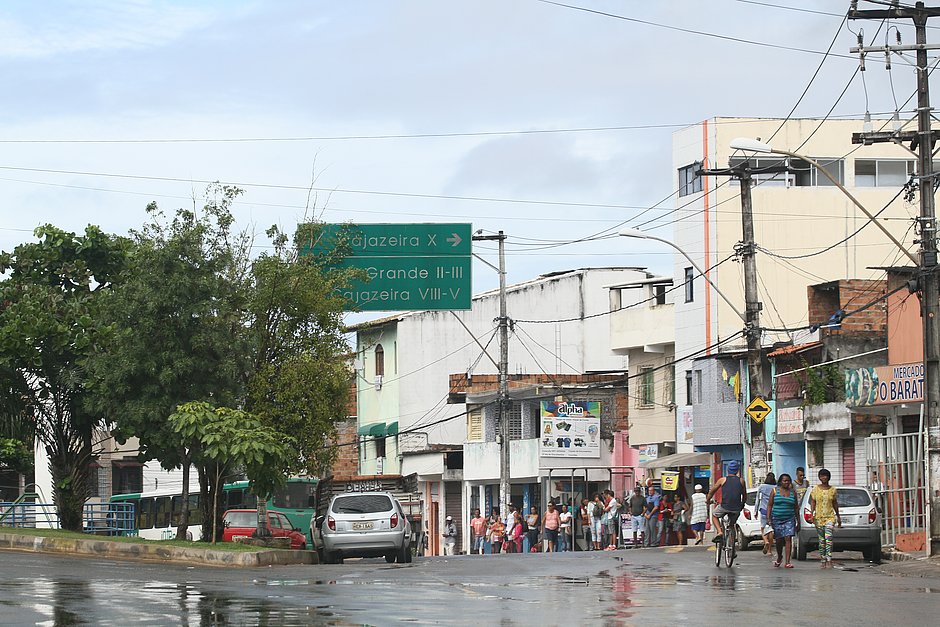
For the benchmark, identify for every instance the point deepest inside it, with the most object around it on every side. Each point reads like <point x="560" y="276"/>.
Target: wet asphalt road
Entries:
<point x="636" y="587"/>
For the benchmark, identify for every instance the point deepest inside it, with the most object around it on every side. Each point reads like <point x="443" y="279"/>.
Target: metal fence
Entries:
<point x="896" y="473"/>
<point x="108" y="519"/>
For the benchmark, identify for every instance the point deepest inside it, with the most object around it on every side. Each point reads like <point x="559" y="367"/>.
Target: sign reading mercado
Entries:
<point x="410" y="267"/>
<point x="884" y="385"/>
<point x="570" y="429"/>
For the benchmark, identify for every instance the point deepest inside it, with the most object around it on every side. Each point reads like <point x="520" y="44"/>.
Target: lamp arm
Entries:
<point x="701" y="272"/>
<point x="854" y="200"/>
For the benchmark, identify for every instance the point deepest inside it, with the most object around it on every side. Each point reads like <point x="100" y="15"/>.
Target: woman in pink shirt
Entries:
<point x="550" y="523"/>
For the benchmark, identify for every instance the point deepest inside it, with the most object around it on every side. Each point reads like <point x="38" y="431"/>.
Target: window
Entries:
<point x="475" y="425"/>
<point x="379" y="360"/>
<point x="362" y="504"/>
<point x="698" y="387"/>
<point x="689" y="285"/>
<point x="515" y="421"/>
<point x="647" y="387"/>
<point x="688" y="387"/>
<point x="126" y="477"/>
<point x="882" y="172"/>
<point x="274" y="521"/>
<point x="671" y="385"/>
<point x="380" y="447"/>
<point x="810" y="176"/>
<point x="161" y="517"/>
<point x="295" y="495"/>
<point x="689" y="183"/>
<point x="659" y="294"/>
<point x="800" y="174"/>
<point x="759" y="173"/>
<point x="145" y="515"/>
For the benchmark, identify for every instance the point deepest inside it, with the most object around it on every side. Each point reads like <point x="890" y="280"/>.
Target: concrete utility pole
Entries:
<point x="752" y="305"/>
<point x="923" y="141"/>
<point x="502" y="404"/>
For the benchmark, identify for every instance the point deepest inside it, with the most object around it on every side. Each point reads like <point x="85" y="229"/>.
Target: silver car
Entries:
<point x="362" y="524"/>
<point x="861" y="525"/>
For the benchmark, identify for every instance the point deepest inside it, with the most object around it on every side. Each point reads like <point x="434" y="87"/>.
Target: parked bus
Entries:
<point x="157" y="512"/>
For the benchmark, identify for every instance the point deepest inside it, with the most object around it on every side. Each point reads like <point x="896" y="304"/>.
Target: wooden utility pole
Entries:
<point x="923" y="142"/>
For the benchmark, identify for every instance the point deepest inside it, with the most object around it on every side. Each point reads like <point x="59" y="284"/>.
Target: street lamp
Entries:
<point x="635" y="233"/>
<point x="752" y="145"/>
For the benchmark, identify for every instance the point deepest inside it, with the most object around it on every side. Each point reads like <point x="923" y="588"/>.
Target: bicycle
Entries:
<point x="725" y="547"/>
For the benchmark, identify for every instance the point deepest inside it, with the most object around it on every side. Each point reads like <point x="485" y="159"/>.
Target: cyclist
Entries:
<point x="733" y="495"/>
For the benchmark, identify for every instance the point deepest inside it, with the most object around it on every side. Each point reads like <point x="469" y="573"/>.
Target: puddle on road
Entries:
<point x="66" y="602"/>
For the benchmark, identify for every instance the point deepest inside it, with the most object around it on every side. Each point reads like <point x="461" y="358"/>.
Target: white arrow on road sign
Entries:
<point x="454" y="239"/>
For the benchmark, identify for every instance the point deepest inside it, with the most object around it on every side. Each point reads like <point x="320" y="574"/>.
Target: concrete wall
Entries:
<point x="717" y="420"/>
<point x="655" y="423"/>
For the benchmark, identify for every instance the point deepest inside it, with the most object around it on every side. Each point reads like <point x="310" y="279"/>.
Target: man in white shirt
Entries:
<point x="564" y="529"/>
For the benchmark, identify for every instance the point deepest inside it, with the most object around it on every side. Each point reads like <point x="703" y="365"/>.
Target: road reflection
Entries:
<point x="61" y="602"/>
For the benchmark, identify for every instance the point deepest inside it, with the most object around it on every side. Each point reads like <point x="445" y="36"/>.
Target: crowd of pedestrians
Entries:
<point x="650" y="518"/>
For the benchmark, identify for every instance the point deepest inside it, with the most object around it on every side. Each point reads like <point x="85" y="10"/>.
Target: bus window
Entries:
<point x="234" y="499"/>
<point x="176" y="510"/>
<point x="161" y="516"/>
<point x="145" y="514"/>
<point x="295" y="495"/>
<point x="195" y="512"/>
<point x="250" y="501"/>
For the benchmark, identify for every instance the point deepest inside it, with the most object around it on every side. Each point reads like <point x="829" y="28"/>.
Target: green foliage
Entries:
<point x="235" y="437"/>
<point x="15" y="455"/>
<point x="300" y="382"/>
<point x="52" y="292"/>
<point x="822" y="384"/>
<point x="176" y="325"/>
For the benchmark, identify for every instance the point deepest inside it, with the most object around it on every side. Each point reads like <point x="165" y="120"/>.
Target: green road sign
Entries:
<point x="399" y="240"/>
<point x="411" y="267"/>
<point x="410" y="283"/>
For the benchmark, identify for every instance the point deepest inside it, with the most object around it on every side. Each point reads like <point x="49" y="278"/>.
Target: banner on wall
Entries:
<point x="570" y="429"/>
<point x="884" y="385"/>
<point x="789" y="420"/>
<point x="684" y="434"/>
<point x="670" y="480"/>
<point x="648" y="452"/>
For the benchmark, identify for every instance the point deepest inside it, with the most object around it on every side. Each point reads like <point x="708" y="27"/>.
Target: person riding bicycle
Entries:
<point x="733" y="495"/>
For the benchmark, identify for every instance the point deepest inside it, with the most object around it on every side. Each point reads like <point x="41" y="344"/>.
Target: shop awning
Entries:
<point x="376" y="430"/>
<point x="392" y="428"/>
<point x="679" y="459"/>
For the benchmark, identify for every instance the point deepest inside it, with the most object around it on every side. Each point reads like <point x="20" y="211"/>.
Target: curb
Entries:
<point x="898" y="556"/>
<point x="154" y="552"/>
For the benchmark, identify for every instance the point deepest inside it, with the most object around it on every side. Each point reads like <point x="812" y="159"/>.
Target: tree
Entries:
<point x="230" y="437"/>
<point x="51" y="295"/>
<point x="177" y="334"/>
<point x="300" y="380"/>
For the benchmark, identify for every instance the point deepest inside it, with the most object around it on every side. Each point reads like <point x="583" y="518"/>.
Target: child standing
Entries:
<point x="824" y="508"/>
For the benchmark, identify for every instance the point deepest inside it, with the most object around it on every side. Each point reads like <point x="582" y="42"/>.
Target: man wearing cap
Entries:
<point x="699" y="513"/>
<point x="733" y="494"/>
<point x="450" y="535"/>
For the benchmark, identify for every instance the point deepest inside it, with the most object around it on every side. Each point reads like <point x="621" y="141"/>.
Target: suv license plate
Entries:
<point x="362" y="526"/>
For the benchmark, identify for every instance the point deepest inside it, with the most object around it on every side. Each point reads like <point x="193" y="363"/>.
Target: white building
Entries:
<point x="406" y="364"/>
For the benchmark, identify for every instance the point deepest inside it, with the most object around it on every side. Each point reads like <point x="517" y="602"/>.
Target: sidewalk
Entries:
<point x="899" y="564"/>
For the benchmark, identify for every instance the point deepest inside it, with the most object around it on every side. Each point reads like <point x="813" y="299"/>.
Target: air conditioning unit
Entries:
<point x="378" y="382"/>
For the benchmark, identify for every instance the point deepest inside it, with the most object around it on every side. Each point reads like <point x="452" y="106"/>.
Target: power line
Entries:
<point x="691" y="31"/>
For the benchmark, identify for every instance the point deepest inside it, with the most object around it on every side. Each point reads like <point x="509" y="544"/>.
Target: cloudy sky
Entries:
<point x="552" y="123"/>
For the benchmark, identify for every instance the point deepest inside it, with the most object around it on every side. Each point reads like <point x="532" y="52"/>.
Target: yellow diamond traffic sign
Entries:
<point x="758" y="409"/>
